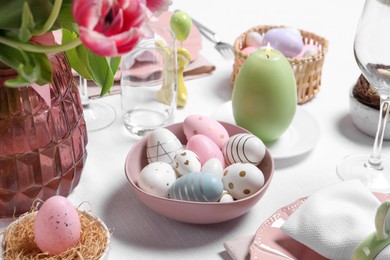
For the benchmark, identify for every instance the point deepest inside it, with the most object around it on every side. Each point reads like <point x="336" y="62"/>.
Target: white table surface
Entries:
<point x="139" y="233"/>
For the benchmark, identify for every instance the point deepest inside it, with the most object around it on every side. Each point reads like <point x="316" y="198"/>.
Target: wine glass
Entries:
<point x="372" y="53"/>
<point x="97" y="114"/>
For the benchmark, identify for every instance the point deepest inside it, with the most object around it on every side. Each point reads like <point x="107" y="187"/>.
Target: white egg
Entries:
<point x="242" y="180"/>
<point x="245" y="148"/>
<point x="253" y="39"/>
<point x="162" y="146"/>
<point x="157" y="178"/>
<point x="213" y="166"/>
<point x="226" y="197"/>
<point x="186" y="162"/>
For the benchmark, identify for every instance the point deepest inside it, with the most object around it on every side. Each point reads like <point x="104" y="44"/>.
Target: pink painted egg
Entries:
<point x="205" y="149"/>
<point x="249" y="50"/>
<point x="57" y="226"/>
<point x="204" y="125"/>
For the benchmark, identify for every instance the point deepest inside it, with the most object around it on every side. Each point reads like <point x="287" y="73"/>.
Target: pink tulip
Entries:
<point x="109" y="27"/>
<point x="157" y="6"/>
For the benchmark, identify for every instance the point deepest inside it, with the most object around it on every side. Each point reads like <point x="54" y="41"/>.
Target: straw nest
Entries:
<point x="19" y="240"/>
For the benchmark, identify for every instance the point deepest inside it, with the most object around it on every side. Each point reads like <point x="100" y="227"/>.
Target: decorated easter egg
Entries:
<point x="264" y="96"/>
<point x="57" y="226"/>
<point x="181" y="24"/>
<point x="162" y="146"/>
<point x="253" y="39"/>
<point x="157" y="178"/>
<point x="245" y="148"/>
<point x="287" y="40"/>
<point x="205" y="149"/>
<point x="197" y="186"/>
<point x="213" y="166"/>
<point x="307" y="51"/>
<point x="204" y="125"/>
<point x="249" y="50"/>
<point x="186" y="161"/>
<point x="242" y="180"/>
<point x="226" y="197"/>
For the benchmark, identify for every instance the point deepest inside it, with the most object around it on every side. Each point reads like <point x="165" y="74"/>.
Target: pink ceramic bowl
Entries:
<point x="187" y="211"/>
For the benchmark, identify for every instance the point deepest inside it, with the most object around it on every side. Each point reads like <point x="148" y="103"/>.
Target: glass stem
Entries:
<point x="83" y="90"/>
<point x="375" y="158"/>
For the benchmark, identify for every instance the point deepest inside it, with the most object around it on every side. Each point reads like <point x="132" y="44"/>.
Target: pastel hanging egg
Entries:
<point x="286" y="40"/>
<point x="197" y="186"/>
<point x="242" y="180"/>
<point x="213" y="166"/>
<point x="157" y="178"/>
<point x="205" y="149"/>
<point x="253" y="39"/>
<point x="186" y="162"/>
<point x="181" y="24"/>
<point x="204" y="125"/>
<point x="162" y="146"/>
<point x="245" y="148"/>
<point x="57" y="226"/>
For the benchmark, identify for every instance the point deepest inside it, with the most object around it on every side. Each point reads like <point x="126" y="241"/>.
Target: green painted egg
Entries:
<point x="181" y="24"/>
<point x="264" y="96"/>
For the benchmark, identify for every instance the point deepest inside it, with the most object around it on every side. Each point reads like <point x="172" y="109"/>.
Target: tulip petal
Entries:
<point x="86" y="13"/>
<point x="157" y="6"/>
<point x="97" y="42"/>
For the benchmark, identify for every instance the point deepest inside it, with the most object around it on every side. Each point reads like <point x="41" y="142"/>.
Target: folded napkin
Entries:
<point x="334" y="220"/>
<point x="199" y="67"/>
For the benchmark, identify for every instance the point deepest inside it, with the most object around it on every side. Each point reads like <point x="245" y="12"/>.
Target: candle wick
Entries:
<point x="267" y="56"/>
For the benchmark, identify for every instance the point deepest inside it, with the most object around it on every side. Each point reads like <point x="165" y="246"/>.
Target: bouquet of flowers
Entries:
<point x="94" y="35"/>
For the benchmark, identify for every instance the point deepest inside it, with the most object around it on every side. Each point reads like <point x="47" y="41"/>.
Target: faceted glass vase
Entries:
<point x="42" y="145"/>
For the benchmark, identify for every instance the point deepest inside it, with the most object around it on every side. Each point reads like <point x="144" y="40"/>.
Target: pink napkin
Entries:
<point x="200" y="67"/>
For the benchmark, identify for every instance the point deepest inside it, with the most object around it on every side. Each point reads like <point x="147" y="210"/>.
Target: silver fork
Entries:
<point x="224" y="48"/>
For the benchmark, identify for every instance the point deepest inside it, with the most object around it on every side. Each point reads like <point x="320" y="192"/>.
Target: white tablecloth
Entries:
<point x="139" y="233"/>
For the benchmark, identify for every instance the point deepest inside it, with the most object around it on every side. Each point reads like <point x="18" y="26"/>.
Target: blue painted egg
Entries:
<point x="197" y="186"/>
<point x="286" y="40"/>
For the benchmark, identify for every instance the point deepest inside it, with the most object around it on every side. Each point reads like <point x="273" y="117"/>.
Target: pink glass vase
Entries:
<point x="42" y="145"/>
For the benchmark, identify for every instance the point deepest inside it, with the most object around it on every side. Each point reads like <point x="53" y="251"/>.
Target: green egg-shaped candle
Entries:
<point x="181" y="24"/>
<point x="264" y="96"/>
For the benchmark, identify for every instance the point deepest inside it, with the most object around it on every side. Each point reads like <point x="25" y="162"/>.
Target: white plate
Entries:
<point x="301" y="137"/>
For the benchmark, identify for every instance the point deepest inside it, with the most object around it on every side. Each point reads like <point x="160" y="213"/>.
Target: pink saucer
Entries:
<point x="272" y="243"/>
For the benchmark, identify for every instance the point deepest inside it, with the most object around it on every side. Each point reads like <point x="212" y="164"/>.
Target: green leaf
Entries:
<point x="101" y="72"/>
<point x="114" y="64"/>
<point x="27" y="24"/>
<point x="31" y="67"/>
<point x="77" y="57"/>
<point x="11" y="12"/>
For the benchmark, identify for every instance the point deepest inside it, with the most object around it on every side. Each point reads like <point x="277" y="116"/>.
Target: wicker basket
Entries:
<point x="307" y="70"/>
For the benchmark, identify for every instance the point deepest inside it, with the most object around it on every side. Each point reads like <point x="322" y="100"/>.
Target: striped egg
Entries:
<point x="244" y="148"/>
<point x="197" y="186"/>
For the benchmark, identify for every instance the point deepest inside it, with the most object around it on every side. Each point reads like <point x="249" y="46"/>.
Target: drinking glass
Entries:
<point x="148" y="83"/>
<point x="372" y="53"/>
<point x="97" y="114"/>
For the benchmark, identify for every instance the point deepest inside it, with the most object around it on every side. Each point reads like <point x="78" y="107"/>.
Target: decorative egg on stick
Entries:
<point x="264" y="96"/>
<point x="181" y="24"/>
